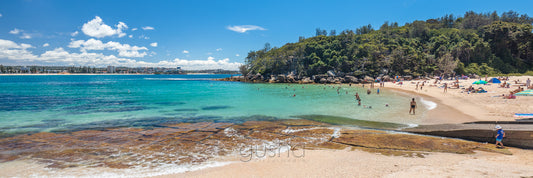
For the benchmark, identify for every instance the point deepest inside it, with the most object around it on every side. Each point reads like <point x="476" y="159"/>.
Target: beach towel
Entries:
<point x="528" y="115"/>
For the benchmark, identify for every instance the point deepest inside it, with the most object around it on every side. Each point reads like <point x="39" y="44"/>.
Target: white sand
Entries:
<point x="345" y="163"/>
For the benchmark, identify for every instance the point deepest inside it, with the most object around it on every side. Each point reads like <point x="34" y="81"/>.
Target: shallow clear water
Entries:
<point x="37" y="103"/>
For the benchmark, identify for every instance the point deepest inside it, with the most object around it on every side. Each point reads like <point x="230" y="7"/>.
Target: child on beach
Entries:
<point x="499" y="136"/>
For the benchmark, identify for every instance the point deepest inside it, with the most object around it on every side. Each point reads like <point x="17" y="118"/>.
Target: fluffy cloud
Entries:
<point x="124" y="50"/>
<point x="147" y="28"/>
<point x="133" y="29"/>
<point x="153" y="44"/>
<point x="244" y="28"/>
<point x="14" y="51"/>
<point x="130" y="36"/>
<point x="74" y="33"/>
<point x="15" y="31"/>
<point x="46" y="45"/>
<point x="59" y="56"/>
<point x="185" y="52"/>
<point x="210" y="58"/>
<point x="0" y="15"/>
<point x="203" y="64"/>
<point x="97" y="28"/>
<point x="219" y="49"/>
<point x="237" y="55"/>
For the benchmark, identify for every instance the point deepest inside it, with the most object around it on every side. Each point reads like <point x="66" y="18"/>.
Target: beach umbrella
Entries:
<point x="480" y="82"/>
<point x="525" y="93"/>
<point x="495" y="80"/>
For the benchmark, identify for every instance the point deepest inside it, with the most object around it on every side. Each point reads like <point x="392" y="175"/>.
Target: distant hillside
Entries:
<point x="477" y="43"/>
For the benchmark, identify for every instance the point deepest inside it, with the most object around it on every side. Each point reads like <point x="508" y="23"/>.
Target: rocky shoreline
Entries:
<point x="195" y="143"/>
<point x="329" y="78"/>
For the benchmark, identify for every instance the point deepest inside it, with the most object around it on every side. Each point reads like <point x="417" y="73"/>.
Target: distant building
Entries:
<point x="111" y="69"/>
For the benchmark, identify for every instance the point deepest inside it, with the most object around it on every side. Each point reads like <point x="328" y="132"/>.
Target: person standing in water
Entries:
<point x="413" y="106"/>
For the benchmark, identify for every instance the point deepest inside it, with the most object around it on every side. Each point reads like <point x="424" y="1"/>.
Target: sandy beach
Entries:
<point x="458" y="106"/>
<point x="453" y="106"/>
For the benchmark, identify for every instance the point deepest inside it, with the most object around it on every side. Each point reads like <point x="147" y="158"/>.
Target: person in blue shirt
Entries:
<point x="499" y="136"/>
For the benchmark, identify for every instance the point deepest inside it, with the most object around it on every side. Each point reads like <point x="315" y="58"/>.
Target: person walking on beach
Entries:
<point x="528" y="83"/>
<point x="413" y="106"/>
<point x="499" y="136"/>
<point x="445" y="87"/>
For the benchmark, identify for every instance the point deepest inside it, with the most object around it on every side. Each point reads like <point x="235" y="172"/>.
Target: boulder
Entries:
<point x="331" y="73"/>
<point x="350" y="79"/>
<point x="386" y="78"/>
<point x="306" y="80"/>
<point x="281" y="78"/>
<point x="368" y="79"/>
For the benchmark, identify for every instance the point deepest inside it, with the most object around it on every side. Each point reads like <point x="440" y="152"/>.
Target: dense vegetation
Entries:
<point x="477" y="43"/>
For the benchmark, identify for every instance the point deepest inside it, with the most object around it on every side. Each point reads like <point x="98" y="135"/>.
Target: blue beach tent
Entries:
<point x="494" y="80"/>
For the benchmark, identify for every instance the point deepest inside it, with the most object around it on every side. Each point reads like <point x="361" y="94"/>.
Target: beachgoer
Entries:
<point x="528" y="82"/>
<point x="368" y="92"/>
<point x="357" y="96"/>
<point x="358" y="102"/>
<point x="499" y="136"/>
<point x="378" y="91"/>
<point x="445" y="87"/>
<point x="387" y="105"/>
<point x="413" y="106"/>
<point x="417" y="85"/>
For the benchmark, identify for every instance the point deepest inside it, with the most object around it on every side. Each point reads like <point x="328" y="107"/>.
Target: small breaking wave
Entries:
<point x="428" y="104"/>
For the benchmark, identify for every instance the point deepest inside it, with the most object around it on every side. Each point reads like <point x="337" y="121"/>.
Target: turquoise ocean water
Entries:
<point x="36" y="103"/>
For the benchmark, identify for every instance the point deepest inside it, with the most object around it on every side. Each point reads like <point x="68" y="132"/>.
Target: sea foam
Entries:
<point x="428" y="104"/>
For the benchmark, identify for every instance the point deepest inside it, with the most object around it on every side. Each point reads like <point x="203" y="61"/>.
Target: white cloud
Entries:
<point x="46" y="45"/>
<point x="219" y="49"/>
<point x="14" y="51"/>
<point x="74" y="33"/>
<point x="15" y="31"/>
<point x="0" y="15"/>
<point x="244" y="28"/>
<point x="133" y="29"/>
<point x="185" y="52"/>
<point x="19" y="54"/>
<point x="97" y="28"/>
<point x="153" y="44"/>
<point x="203" y="64"/>
<point x="210" y="58"/>
<point x="147" y="28"/>
<point x="124" y="50"/>
<point x="130" y="36"/>
<point x="25" y="36"/>
<point x="237" y="55"/>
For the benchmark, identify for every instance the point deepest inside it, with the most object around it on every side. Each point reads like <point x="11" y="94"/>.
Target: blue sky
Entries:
<point x="193" y="34"/>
